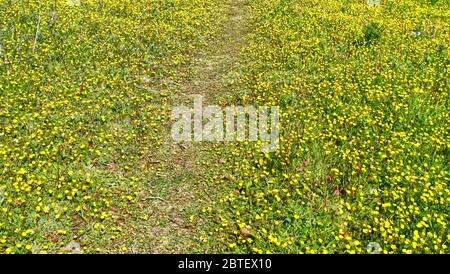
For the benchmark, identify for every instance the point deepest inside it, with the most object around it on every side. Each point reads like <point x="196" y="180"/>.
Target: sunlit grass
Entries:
<point x="364" y="152"/>
<point x="78" y="117"/>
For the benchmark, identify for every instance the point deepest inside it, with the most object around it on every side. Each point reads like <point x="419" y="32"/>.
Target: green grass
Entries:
<point x="82" y="114"/>
<point x="364" y="149"/>
<point x="86" y="155"/>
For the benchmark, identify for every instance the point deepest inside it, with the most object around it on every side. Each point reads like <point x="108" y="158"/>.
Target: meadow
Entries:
<point x="86" y="93"/>
<point x="363" y="163"/>
<point x="77" y="116"/>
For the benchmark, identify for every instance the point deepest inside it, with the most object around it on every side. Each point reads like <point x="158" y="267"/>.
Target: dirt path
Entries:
<point x="184" y="184"/>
